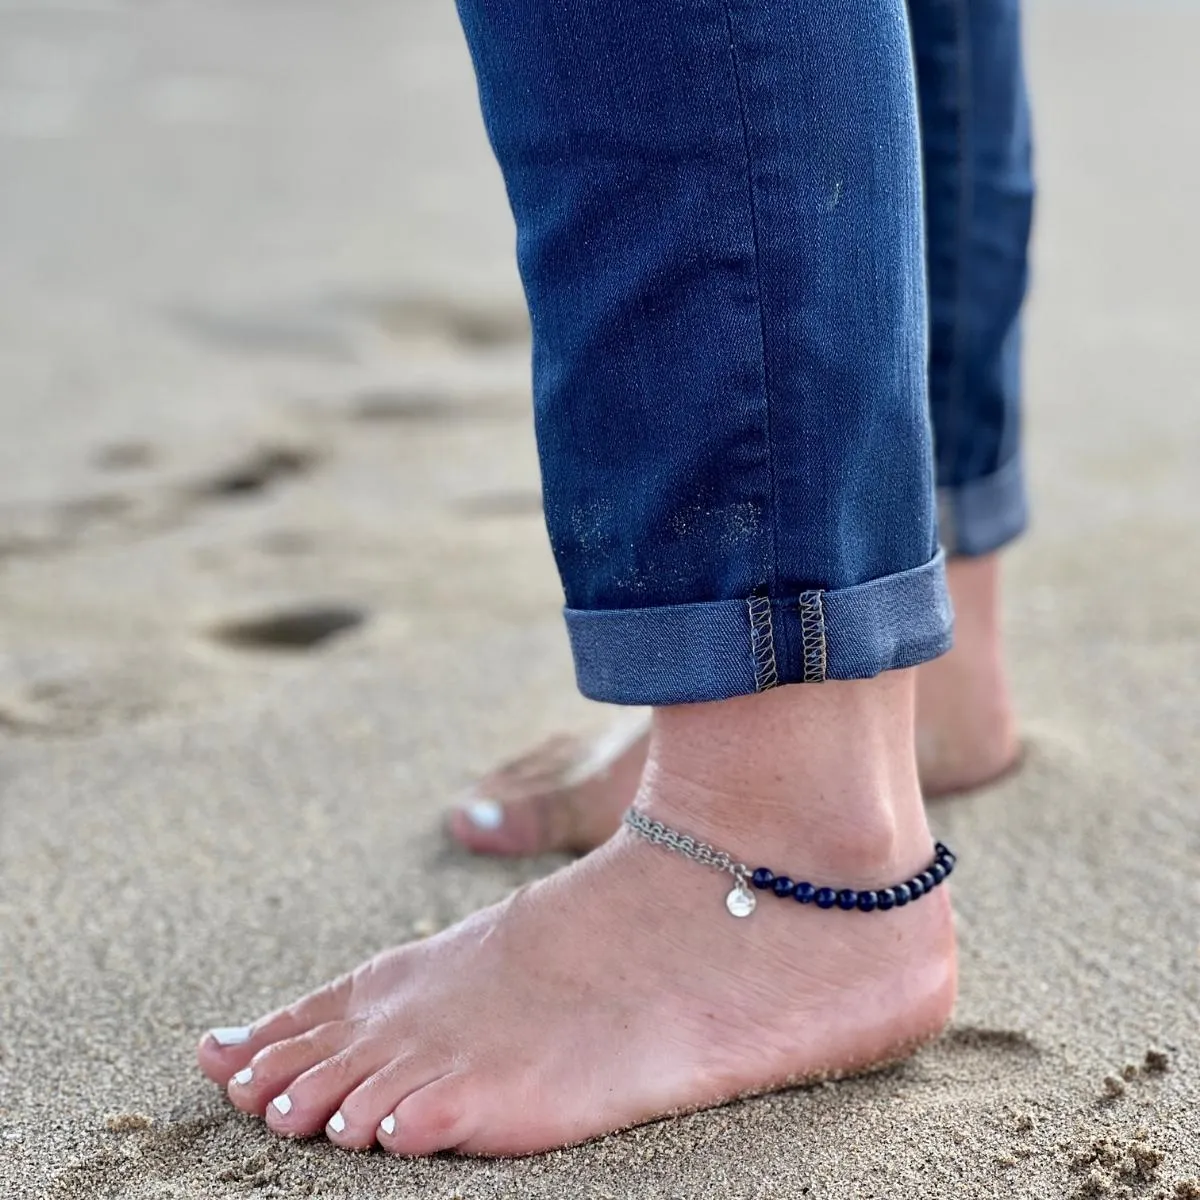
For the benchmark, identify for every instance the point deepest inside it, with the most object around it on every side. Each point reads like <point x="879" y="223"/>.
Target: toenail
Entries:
<point x="230" y="1035"/>
<point x="485" y="814"/>
<point x="388" y="1124"/>
<point x="283" y="1103"/>
<point x="337" y="1122"/>
<point x="244" y="1075"/>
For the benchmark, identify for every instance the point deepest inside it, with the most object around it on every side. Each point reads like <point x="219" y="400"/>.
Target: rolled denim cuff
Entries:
<point x="981" y="516"/>
<point x="685" y="653"/>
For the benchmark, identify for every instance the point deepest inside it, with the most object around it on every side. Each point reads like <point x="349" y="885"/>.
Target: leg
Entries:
<point x="569" y="794"/>
<point x="718" y="213"/>
<point x="979" y="201"/>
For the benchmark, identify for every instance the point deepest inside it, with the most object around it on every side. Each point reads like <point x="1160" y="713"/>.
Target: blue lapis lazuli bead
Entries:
<point x="782" y="887"/>
<point x="948" y="865"/>
<point x="928" y="880"/>
<point x="762" y="878"/>
<point x="847" y="898"/>
<point x="903" y="894"/>
<point x="886" y="899"/>
<point x="804" y="893"/>
<point x="868" y="901"/>
<point x="940" y="849"/>
<point x="916" y="887"/>
<point x="825" y="898"/>
<point x="938" y="872"/>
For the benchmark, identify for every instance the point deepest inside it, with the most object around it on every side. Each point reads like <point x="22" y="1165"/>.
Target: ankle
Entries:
<point x="805" y="778"/>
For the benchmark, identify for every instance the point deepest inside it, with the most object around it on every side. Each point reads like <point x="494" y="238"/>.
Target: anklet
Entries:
<point x="741" y="901"/>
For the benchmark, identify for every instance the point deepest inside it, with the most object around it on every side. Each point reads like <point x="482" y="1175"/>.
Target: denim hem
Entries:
<point x="686" y="653"/>
<point x="981" y="516"/>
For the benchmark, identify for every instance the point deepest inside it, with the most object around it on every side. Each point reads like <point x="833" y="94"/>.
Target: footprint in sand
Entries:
<point x="306" y="333"/>
<point x="302" y="627"/>
<point x="468" y="324"/>
<point x="425" y="406"/>
<point x="17" y="716"/>
<point x="256" y="472"/>
<point x="81" y="701"/>
<point x="326" y="329"/>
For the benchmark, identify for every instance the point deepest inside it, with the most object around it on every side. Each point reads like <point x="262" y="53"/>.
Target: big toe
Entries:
<point x="487" y="826"/>
<point x="225" y="1050"/>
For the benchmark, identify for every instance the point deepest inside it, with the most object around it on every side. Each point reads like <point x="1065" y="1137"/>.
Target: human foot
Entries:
<point x="568" y="794"/>
<point x="619" y="989"/>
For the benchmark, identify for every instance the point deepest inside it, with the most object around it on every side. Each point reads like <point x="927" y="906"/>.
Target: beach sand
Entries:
<point x="274" y="585"/>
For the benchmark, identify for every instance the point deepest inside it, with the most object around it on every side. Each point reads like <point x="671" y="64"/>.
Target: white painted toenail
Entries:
<point x="230" y="1035"/>
<point x="244" y="1075"/>
<point x="388" y="1124"/>
<point x="283" y="1103"/>
<point x="485" y="814"/>
<point x="337" y="1122"/>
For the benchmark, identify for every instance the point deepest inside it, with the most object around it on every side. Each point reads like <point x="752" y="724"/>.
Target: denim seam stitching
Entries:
<point x="762" y="644"/>
<point x="762" y="320"/>
<point x="963" y="115"/>
<point x="812" y="636"/>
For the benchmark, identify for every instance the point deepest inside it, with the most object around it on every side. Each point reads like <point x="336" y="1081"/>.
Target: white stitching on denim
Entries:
<point x="762" y="644"/>
<point x="757" y="240"/>
<point x="812" y="631"/>
<point x="962" y="230"/>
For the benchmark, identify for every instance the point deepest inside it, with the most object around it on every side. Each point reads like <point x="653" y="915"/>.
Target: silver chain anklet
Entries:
<point x="741" y="901"/>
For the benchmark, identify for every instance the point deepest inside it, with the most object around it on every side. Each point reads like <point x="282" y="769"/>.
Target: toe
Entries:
<point x="503" y="813"/>
<point x="486" y="826"/>
<point x="356" y="1124"/>
<point x="312" y="1100"/>
<point x="226" y="1050"/>
<point x="435" y="1117"/>
<point x="272" y="1071"/>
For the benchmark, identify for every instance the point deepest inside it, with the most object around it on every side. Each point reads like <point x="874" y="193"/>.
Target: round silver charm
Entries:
<point x="740" y="901"/>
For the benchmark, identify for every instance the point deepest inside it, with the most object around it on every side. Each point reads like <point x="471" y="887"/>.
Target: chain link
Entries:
<point x="658" y="834"/>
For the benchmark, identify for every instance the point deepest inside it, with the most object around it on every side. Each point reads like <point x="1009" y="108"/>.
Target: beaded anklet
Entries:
<point x="741" y="900"/>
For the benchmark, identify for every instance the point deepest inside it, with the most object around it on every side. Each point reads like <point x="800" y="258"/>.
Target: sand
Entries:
<point x="273" y="585"/>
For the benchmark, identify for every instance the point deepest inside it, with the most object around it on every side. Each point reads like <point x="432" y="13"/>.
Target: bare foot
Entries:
<point x="568" y="794"/>
<point x="619" y="989"/>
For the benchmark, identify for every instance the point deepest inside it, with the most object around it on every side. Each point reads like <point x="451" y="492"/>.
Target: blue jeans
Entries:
<point x="739" y="337"/>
